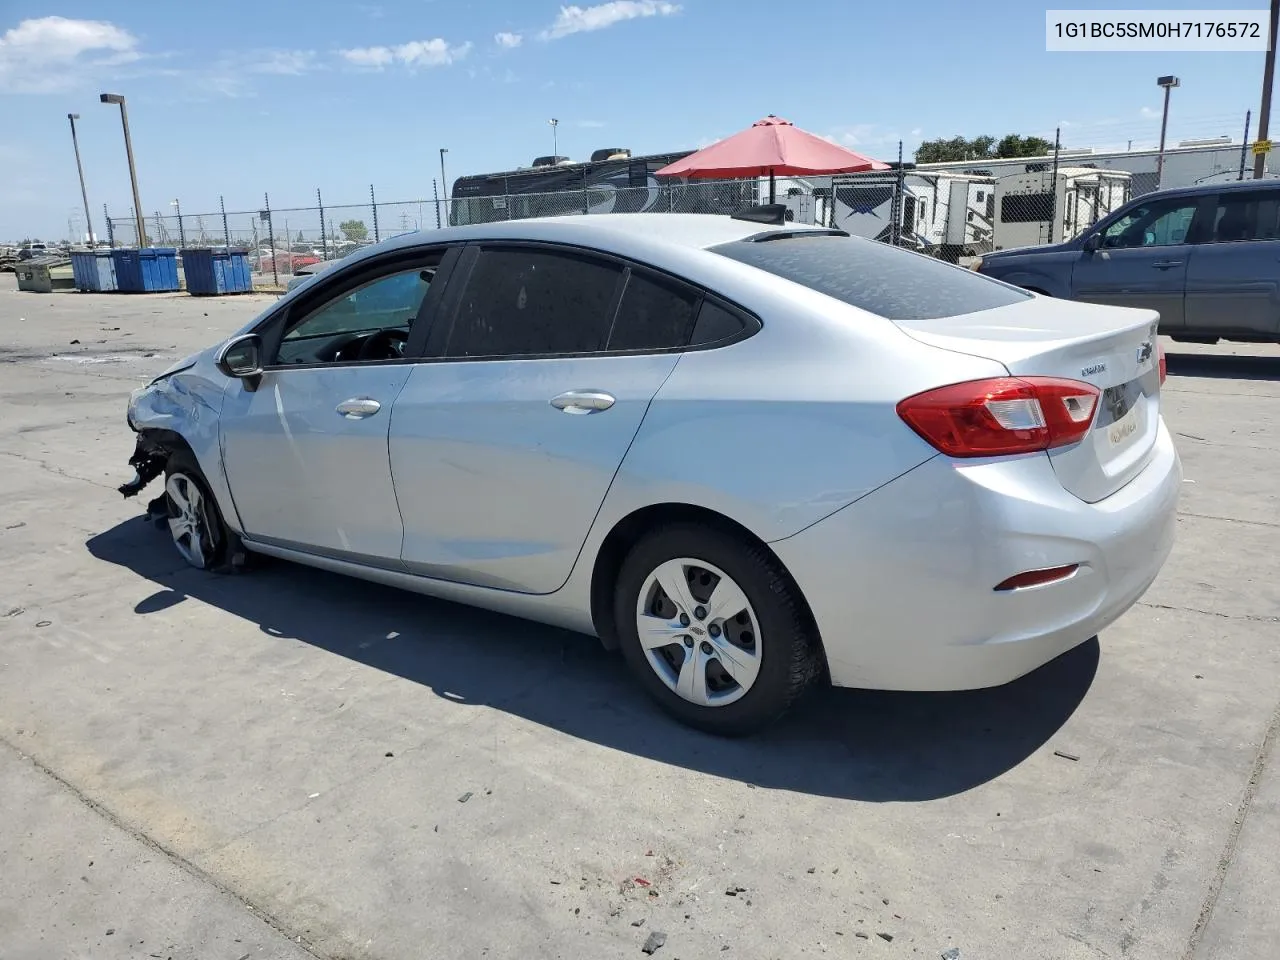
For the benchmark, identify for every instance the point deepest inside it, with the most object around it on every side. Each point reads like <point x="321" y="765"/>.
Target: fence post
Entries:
<point x="111" y="233"/>
<point x="324" y="241"/>
<point x="586" y="197"/>
<point x="899" y="185"/>
<point x="435" y="192"/>
<point x="1244" y="144"/>
<point x="226" y="232"/>
<point x="1053" y="189"/>
<point x="373" y="202"/>
<point x="271" y="240"/>
<point x="182" y="232"/>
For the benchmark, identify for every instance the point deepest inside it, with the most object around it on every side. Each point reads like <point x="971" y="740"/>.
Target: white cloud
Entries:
<point x="575" y="19"/>
<point x="281" y="62"/>
<point x="1150" y="112"/>
<point x="591" y="124"/>
<point x="508" y="40"/>
<point x="52" y="53"/>
<point x="416" y="53"/>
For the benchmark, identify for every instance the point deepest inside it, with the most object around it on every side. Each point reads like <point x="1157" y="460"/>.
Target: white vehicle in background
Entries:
<point x="1037" y="207"/>
<point x="944" y="214"/>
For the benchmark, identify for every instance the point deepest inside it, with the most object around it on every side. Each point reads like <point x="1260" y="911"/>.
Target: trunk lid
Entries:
<point x="1113" y="348"/>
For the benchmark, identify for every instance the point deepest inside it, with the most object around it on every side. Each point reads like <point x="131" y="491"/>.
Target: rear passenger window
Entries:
<point x="522" y="302"/>
<point x="1252" y="215"/>
<point x="654" y="315"/>
<point x="715" y="323"/>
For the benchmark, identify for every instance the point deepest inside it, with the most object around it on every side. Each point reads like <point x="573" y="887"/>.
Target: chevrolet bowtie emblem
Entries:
<point x="1144" y="352"/>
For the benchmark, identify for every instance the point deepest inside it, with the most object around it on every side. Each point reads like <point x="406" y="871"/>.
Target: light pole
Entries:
<point x="444" y="184"/>
<point x="555" y="145"/>
<point x="1168" y="83"/>
<point x="133" y="173"/>
<point x="182" y="234"/>
<point x="84" y="194"/>
<point x="1268" y="78"/>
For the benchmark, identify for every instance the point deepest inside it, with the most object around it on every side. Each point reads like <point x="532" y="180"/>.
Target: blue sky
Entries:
<point x="237" y="98"/>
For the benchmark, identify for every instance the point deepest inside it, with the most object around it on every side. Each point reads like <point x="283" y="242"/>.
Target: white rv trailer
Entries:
<point x="945" y="214"/>
<point x="1032" y="208"/>
<point x="1189" y="163"/>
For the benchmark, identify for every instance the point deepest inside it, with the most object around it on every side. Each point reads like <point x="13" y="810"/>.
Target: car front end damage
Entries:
<point x="177" y="411"/>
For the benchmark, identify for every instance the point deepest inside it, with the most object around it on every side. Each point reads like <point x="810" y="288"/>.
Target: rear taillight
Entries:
<point x="1004" y="415"/>
<point x="1164" y="366"/>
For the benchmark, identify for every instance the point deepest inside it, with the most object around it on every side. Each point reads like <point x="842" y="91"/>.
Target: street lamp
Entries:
<point x="182" y="234"/>
<point x="1168" y="83"/>
<point x="84" y="195"/>
<point x="444" y="184"/>
<point x="555" y="146"/>
<point x="133" y="173"/>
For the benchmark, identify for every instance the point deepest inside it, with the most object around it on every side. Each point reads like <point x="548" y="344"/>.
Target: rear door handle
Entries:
<point x="1165" y="264"/>
<point x="583" y="401"/>
<point x="357" y="408"/>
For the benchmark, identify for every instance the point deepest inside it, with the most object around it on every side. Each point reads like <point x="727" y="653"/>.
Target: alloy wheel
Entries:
<point x="189" y="520"/>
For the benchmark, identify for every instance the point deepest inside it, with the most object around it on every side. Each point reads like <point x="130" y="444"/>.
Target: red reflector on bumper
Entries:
<point x="1034" y="578"/>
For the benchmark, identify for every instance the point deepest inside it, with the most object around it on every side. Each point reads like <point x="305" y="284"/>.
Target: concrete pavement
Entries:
<point x="384" y="776"/>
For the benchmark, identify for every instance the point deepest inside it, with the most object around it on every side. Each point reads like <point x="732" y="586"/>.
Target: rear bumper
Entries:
<point x="901" y="582"/>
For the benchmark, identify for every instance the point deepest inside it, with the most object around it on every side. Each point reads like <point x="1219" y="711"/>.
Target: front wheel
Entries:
<point x="195" y="524"/>
<point x="714" y="629"/>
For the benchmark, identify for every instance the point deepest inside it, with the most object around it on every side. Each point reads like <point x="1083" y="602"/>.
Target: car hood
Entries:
<point x="1031" y="250"/>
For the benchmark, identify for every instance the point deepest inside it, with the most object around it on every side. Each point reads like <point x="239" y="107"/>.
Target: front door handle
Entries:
<point x="357" y="408"/>
<point x="583" y="401"/>
<point x="1165" y="264"/>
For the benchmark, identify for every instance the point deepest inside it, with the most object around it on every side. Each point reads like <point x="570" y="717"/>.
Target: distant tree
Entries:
<point x="944" y="150"/>
<point x="354" y="230"/>
<point x="301" y="238"/>
<point x="1016" y="146"/>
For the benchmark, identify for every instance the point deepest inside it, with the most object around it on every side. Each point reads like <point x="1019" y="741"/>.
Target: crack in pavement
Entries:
<point x="57" y="471"/>
<point x="1209" y="516"/>
<point x="183" y="864"/>
<point x="1247" y="617"/>
<point x="1228" y="854"/>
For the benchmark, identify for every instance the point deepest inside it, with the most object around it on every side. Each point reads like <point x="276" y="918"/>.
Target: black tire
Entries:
<point x="220" y="546"/>
<point x="790" y="650"/>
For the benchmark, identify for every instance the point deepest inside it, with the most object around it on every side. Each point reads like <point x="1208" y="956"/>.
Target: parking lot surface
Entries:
<point x="288" y="764"/>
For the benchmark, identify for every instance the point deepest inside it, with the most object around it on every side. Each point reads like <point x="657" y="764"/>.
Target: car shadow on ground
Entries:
<point x="1225" y="366"/>
<point x="851" y="744"/>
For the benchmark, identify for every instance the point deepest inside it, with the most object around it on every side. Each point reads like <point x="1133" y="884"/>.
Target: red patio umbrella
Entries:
<point x="770" y="146"/>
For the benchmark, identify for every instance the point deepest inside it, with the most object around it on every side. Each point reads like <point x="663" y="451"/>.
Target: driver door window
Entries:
<point x="1156" y="224"/>
<point x="369" y="323"/>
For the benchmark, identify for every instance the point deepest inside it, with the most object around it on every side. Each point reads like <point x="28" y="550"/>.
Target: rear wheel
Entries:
<point x="713" y="629"/>
<point x="194" y="522"/>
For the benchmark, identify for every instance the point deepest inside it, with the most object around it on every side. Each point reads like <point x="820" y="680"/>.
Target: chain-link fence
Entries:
<point x="949" y="213"/>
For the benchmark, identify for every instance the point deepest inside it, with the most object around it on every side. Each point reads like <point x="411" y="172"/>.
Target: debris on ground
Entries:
<point x="465" y="797"/>
<point x="1064" y="755"/>
<point x="733" y="890"/>
<point x="111" y="931"/>
<point x="862" y="936"/>
<point x="641" y="881"/>
<point x="388" y="754"/>
<point x="655" y="940"/>
<point x="886" y="937"/>
<point x="951" y="953"/>
<point x="812" y="870"/>
<point x="885" y="901"/>
<point x="638" y="923"/>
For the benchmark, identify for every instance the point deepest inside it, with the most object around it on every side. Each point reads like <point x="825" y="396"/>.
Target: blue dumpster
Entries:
<point x="212" y="272"/>
<point x="148" y="270"/>
<point x="94" y="271"/>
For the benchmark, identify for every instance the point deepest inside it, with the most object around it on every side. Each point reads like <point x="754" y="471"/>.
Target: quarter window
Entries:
<point x="654" y="315"/>
<point x="525" y="302"/>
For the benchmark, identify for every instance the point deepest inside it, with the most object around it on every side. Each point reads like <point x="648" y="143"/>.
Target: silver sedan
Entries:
<point x="751" y="456"/>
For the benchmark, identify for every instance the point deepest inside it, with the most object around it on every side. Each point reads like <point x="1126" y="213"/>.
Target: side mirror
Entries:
<point x="241" y="359"/>
<point x="1092" y="242"/>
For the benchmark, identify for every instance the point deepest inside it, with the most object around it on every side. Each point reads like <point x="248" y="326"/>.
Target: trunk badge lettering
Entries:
<point x="1093" y="370"/>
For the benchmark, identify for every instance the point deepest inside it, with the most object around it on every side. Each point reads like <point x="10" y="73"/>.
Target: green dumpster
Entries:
<point x="37" y="275"/>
